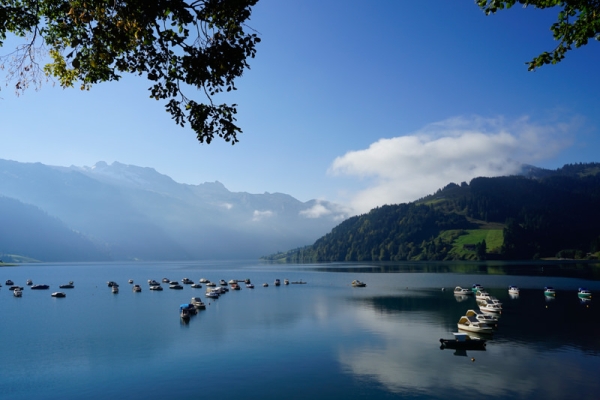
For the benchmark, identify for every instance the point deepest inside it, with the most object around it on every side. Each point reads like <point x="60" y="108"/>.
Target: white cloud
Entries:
<point x="316" y="211"/>
<point x="405" y="168"/>
<point x="259" y="215"/>
<point x="227" y="206"/>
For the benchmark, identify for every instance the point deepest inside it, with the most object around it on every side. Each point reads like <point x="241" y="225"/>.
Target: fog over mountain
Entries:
<point x="131" y="212"/>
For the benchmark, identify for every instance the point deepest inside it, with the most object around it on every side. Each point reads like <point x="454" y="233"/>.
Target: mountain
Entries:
<point x="131" y="212"/>
<point x="541" y="213"/>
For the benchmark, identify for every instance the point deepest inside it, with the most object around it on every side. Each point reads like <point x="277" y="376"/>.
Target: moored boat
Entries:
<point x="265" y="284"/>
<point x="463" y="341"/>
<point x="459" y="291"/>
<point x="513" y="290"/>
<point x="175" y="285"/>
<point x="472" y="324"/>
<point x="137" y="288"/>
<point x="357" y="283"/>
<point x="9" y="282"/>
<point x="222" y="282"/>
<point x="29" y="282"/>
<point x="489" y="306"/>
<point x="583" y="293"/>
<point x="286" y="281"/>
<point x="166" y="280"/>
<point x="250" y="286"/>
<point x="187" y="281"/>
<point x="212" y="293"/>
<point x="130" y="281"/>
<point x="156" y="287"/>
<point x="58" y="294"/>
<point x="277" y="282"/>
<point x="204" y="280"/>
<point x="235" y="286"/>
<point x="69" y="285"/>
<point x="115" y="289"/>
<point x="549" y="291"/>
<point x="196" y="286"/>
<point x="40" y="287"/>
<point x="482" y="317"/>
<point x="476" y="287"/>
<point x="18" y="292"/>
<point x="198" y="303"/>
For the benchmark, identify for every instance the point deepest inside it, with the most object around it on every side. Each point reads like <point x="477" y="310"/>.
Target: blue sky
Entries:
<point x="358" y="102"/>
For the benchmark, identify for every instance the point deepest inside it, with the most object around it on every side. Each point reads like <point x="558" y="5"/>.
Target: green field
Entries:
<point x="493" y="240"/>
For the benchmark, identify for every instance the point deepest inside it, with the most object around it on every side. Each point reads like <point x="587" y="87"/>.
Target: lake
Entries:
<point x="322" y="339"/>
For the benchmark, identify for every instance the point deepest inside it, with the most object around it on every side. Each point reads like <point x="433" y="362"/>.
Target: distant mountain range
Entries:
<point x="125" y="212"/>
<point x="538" y="214"/>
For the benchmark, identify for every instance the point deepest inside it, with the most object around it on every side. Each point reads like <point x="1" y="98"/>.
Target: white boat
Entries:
<point x="166" y="280"/>
<point x="18" y="292"/>
<point x="357" y="283"/>
<point x="472" y="324"/>
<point x="459" y="291"/>
<point x="235" y="286"/>
<point x="486" y="296"/>
<point x="29" y="282"/>
<point x="69" y="285"/>
<point x="212" y="294"/>
<point x="286" y="281"/>
<point x="196" y="286"/>
<point x="222" y="282"/>
<point x="115" y="289"/>
<point x="198" y="303"/>
<point x="175" y="285"/>
<point x="137" y="288"/>
<point x="489" y="306"/>
<point x="232" y="281"/>
<point x="277" y="282"/>
<point x="265" y="284"/>
<point x="513" y="290"/>
<point x="204" y="280"/>
<point x="152" y="282"/>
<point x="130" y="281"/>
<point x="187" y="281"/>
<point x="156" y="287"/>
<point x="211" y="284"/>
<point x="482" y="317"/>
<point x="250" y="286"/>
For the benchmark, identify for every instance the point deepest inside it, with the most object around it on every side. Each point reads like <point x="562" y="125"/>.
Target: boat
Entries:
<point x="482" y="317"/>
<point x="69" y="285"/>
<point x="187" y="281"/>
<point x="549" y="291"/>
<point x="115" y="289"/>
<point x="357" y="283"/>
<point x="152" y="282"/>
<point x="198" y="303"/>
<point x="15" y="287"/>
<point x="40" y="287"/>
<point x="130" y="281"/>
<point x="212" y="294"/>
<point x="476" y="287"/>
<point x="459" y="291"/>
<point x="583" y="293"/>
<point x="277" y="282"/>
<point x="513" y="290"/>
<point x="463" y="341"/>
<point x="222" y="282"/>
<point x="235" y="286"/>
<point x="112" y="283"/>
<point x="18" y="292"/>
<point x="286" y="281"/>
<point x="211" y="284"/>
<point x="232" y="281"/>
<point x="249" y="286"/>
<point x="265" y="284"/>
<point x="29" y="282"/>
<point x="300" y="282"/>
<point x="184" y="311"/>
<point x="58" y="294"/>
<point x="472" y="324"/>
<point x="166" y="280"/>
<point x="137" y="288"/>
<point x="489" y="306"/>
<point x="156" y="287"/>
<point x="486" y="296"/>
<point x="9" y="282"/>
<point x="247" y="280"/>
<point x="196" y="286"/>
<point x="175" y="285"/>
<point x="204" y="280"/>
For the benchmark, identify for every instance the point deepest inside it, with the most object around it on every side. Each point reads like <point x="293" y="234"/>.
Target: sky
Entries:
<point x="358" y="102"/>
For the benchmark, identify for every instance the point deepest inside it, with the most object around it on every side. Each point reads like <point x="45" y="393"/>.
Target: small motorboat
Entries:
<point x="115" y="289"/>
<point x="211" y="284"/>
<point x="187" y="281"/>
<point x="488" y="319"/>
<point x="15" y="287"/>
<point x="40" y="287"/>
<point x="459" y="291"/>
<point x="513" y="290"/>
<point x="222" y="282"/>
<point x="286" y="281"/>
<point x="247" y="280"/>
<point x="583" y="293"/>
<point x="212" y="294"/>
<point x="476" y="287"/>
<point x="300" y="282"/>
<point x="184" y="312"/>
<point x="198" y="303"/>
<point x="250" y="286"/>
<point x="166" y="280"/>
<point x="9" y="282"/>
<point x="489" y="306"/>
<point x="69" y="285"/>
<point x="486" y="296"/>
<point x="549" y="291"/>
<point x="463" y="341"/>
<point x="58" y="294"/>
<point x="204" y="280"/>
<point x="18" y="292"/>
<point x="472" y="324"/>
<point x="156" y="287"/>
<point x="137" y="288"/>
<point x="112" y="283"/>
<point x="196" y="286"/>
<point x="29" y="282"/>
<point x="277" y="282"/>
<point x="233" y="281"/>
<point x="357" y="283"/>
<point x="265" y="284"/>
<point x="152" y="282"/>
<point x="175" y="285"/>
<point x="130" y="281"/>
<point x="234" y="286"/>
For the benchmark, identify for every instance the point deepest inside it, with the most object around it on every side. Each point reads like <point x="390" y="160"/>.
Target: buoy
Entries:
<point x="472" y="359"/>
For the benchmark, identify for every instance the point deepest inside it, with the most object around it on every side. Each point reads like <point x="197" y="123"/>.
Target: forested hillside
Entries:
<point x="543" y="214"/>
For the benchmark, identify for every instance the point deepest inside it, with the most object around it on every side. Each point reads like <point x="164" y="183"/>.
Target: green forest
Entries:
<point x="540" y="214"/>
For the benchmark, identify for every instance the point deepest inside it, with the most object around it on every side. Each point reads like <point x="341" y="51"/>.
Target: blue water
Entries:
<point x="324" y="339"/>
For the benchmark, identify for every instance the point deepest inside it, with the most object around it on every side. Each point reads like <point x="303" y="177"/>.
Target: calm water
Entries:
<point x="321" y="340"/>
